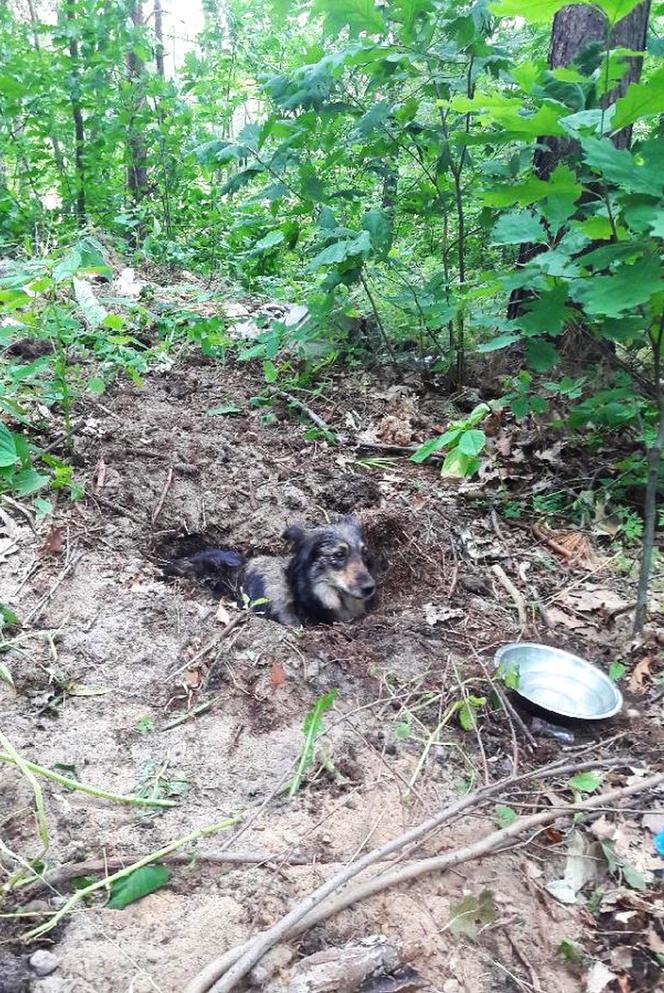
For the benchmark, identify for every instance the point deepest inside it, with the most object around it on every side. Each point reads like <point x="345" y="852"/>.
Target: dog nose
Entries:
<point x="367" y="587"/>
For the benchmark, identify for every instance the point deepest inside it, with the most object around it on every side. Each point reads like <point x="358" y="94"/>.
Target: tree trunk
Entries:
<point x="159" y="35"/>
<point x="77" y="115"/>
<point x="573" y="29"/>
<point x="137" y="176"/>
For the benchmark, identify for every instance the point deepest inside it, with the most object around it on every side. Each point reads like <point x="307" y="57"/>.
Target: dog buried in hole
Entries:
<point x="325" y="578"/>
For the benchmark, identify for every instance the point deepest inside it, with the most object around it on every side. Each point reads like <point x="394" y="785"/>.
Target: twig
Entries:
<point x="396" y="450"/>
<point x="554" y="545"/>
<point x="119" y="509"/>
<point x="73" y="784"/>
<point x="496" y="526"/>
<point x="307" y="411"/>
<point x="523" y="958"/>
<point x="453" y="584"/>
<point x="164" y="493"/>
<point x="189" y="714"/>
<point x="469" y="709"/>
<point x="86" y="891"/>
<point x="509" y="586"/>
<point x="47" y="596"/>
<point x="235" y="964"/>
<point x="239" y="618"/>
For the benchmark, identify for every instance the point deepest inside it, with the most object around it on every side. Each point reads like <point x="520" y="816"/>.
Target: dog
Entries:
<point x="326" y="577"/>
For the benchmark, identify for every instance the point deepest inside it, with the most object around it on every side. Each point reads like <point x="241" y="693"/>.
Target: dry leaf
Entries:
<point x="277" y="675"/>
<point x="53" y="543"/>
<point x="192" y="679"/>
<point x="222" y="615"/>
<point x="598" y="978"/>
<point x="639" y="674"/>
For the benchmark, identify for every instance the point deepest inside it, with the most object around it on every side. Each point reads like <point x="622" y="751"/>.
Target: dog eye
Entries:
<point x="339" y="556"/>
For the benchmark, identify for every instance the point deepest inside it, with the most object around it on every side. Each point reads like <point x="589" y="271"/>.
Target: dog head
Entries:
<point x="335" y="557"/>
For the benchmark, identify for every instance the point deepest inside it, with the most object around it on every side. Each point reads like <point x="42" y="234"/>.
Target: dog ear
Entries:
<point x="294" y="535"/>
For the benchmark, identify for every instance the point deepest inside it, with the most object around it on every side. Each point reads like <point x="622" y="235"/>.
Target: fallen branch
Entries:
<point x="509" y="586"/>
<point x="221" y="975"/>
<point x="73" y="784"/>
<point x="64" y="873"/>
<point x="86" y="891"/>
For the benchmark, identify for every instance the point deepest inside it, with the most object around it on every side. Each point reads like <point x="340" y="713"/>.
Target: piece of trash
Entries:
<point x="539" y="726"/>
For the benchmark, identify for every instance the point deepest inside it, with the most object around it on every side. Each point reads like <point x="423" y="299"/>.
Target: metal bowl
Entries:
<point x="560" y="682"/>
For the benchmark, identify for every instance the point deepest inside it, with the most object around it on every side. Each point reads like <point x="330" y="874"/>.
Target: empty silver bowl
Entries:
<point x="560" y="682"/>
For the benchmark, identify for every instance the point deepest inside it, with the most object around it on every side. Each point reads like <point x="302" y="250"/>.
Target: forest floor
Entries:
<point x="110" y="653"/>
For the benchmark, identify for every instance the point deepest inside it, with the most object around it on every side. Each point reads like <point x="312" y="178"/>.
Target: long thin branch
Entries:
<point x="73" y="784"/>
<point x="235" y="964"/>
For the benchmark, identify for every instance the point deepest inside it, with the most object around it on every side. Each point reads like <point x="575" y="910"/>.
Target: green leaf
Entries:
<point x="137" y="884"/>
<point x="502" y="341"/>
<point x="620" y="167"/>
<point x="541" y="356"/>
<point x="6" y="676"/>
<point x="517" y="227"/>
<point x="8" y="618"/>
<point x="471" y="911"/>
<point x="640" y="100"/>
<point x="585" y="782"/>
<point x="472" y="442"/>
<point x="404" y="730"/>
<point x="223" y="410"/>
<point x="379" y="226"/>
<point x="313" y="725"/>
<point x="339" y="251"/>
<point x="457" y="465"/>
<point x="270" y="371"/>
<point x="144" y="725"/>
<point x="435" y="444"/>
<point x="543" y="11"/>
<point x="374" y="119"/>
<point x="8" y="453"/>
<point x="360" y="16"/>
<point x="96" y="385"/>
<point x="505" y="815"/>
<point x="28" y="481"/>
<point x="615" y="10"/>
<point x="633" y="877"/>
<point x="627" y="287"/>
<point x="67" y="266"/>
<point x="656" y="223"/>
<point x="269" y="241"/>
<point x="616" y="671"/>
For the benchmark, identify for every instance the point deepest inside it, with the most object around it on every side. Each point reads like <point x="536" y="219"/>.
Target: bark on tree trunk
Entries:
<point x="159" y="35"/>
<point x="77" y="115"/>
<point x="573" y="28"/>
<point x="137" y="176"/>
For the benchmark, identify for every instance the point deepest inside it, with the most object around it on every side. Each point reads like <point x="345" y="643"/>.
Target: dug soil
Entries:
<point x="121" y="684"/>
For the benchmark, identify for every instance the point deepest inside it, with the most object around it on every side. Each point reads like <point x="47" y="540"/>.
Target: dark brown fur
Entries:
<point x="326" y="577"/>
